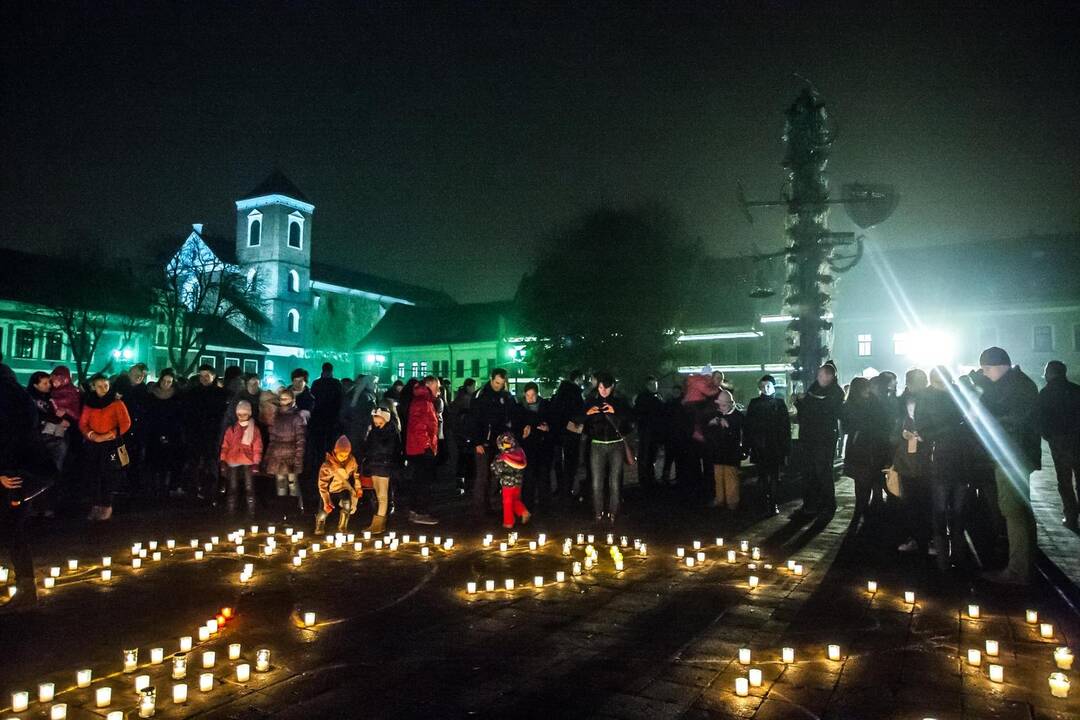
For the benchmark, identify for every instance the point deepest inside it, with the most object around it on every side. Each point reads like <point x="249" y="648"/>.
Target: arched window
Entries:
<point x="293" y="318"/>
<point x="254" y="233"/>
<point x="294" y="281"/>
<point x="294" y="235"/>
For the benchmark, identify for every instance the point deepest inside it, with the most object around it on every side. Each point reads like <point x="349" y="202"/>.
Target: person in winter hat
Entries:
<point x="382" y="458"/>
<point x="285" y="453"/>
<point x="339" y="483"/>
<point x="509" y="469"/>
<point x="241" y="451"/>
<point x="726" y="450"/>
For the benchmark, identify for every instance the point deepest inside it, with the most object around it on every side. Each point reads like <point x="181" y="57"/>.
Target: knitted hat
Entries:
<point x="382" y="412"/>
<point x="243" y="405"/>
<point x="505" y="441"/>
<point x="994" y="356"/>
<point x="342" y="446"/>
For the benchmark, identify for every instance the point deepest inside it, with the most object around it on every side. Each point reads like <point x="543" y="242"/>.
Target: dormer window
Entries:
<point x="296" y="231"/>
<point x="254" y="228"/>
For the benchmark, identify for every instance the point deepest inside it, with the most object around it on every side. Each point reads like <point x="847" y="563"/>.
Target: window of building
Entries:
<point x="865" y="345"/>
<point x="415" y="367"/>
<point x="900" y="344"/>
<point x="294" y="281"/>
<point x="292" y="319"/>
<point x="208" y="360"/>
<point x="492" y="364"/>
<point x="1043" y="338"/>
<point x="423" y="369"/>
<point x="459" y="367"/>
<point x="161" y="337"/>
<point x="400" y="370"/>
<point x="474" y="367"/>
<point x="232" y="362"/>
<point x="251" y="366"/>
<point x="24" y="343"/>
<point x="294" y="234"/>
<point x="54" y="346"/>
<point x="254" y="228"/>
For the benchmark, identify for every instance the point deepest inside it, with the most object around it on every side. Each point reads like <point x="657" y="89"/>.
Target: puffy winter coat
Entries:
<point x="336" y="476"/>
<point x="103" y="415"/>
<point x="235" y="452"/>
<point x="285" y="454"/>
<point x="423" y="425"/>
<point x="65" y="396"/>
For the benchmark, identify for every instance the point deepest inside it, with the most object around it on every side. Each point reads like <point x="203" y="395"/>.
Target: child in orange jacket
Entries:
<point x="339" y="481"/>
<point x="241" y="452"/>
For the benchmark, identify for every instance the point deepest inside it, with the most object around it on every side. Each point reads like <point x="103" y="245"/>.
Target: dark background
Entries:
<point x="440" y="142"/>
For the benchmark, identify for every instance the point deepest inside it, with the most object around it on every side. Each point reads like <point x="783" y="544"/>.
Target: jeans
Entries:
<point x="1065" y="449"/>
<point x="606" y="460"/>
<point x="1014" y="500"/>
<point x="915" y="503"/>
<point x="235" y="475"/>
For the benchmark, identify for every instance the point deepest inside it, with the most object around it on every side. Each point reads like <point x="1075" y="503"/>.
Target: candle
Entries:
<point x="719" y="542"/>
<point x="141" y="682"/>
<point x="405" y="539"/>
<point x="234" y="651"/>
<point x="991" y="648"/>
<point x="580" y="538"/>
<point x="448" y="543"/>
<point x="243" y="672"/>
<point x="697" y="544"/>
<point x="753" y="581"/>
<point x="148" y="703"/>
<point x="742" y="686"/>
<point x="358" y="546"/>
<point x="136" y="563"/>
<point x="590" y="538"/>
<point x="744" y="545"/>
<point x="208" y="659"/>
<point x="103" y="697"/>
<point x="502" y="547"/>
<point x="20" y="701"/>
<point x="73" y="565"/>
<point x="541" y="539"/>
<point x="240" y="549"/>
<point x="179" y="693"/>
<point x="309" y="619"/>
<point x="470" y="587"/>
<point x="46" y="692"/>
<point x="204" y="634"/>
<point x="194" y="543"/>
<point x="271" y="529"/>
<point x="49" y="582"/>
<point x="214" y="539"/>
<point x="755" y="553"/>
<point x="489" y="585"/>
<point x="297" y="560"/>
<point x="131" y="660"/>
<point x="532" y="545"/>
<point x="58" y="711"/>
<point x="143" y="553"/>
<point x="700" y="557"/>
<point x="83" y="677"/>
<point x="170" y="544"/>
<point x="12" y="589"/>
<point x="973" y="612"/>
<point x="1059" y="685"/>
<point x="744" y="656"/>
<point x="54" y="572"/>
<point x="1063" y="657"/>
<point x="909" y="597"/>
<point x="212" y="625"/>
<point x="378" y="546"/>
<point x="1046" y="630"/>
<point x="680" y="552"/>
<point x="262" y="660"/>
<point x="185" y="643"/>
<point x="834" y="652"/>
<point x="797" y="569"/>
<point x="509" y="583"/>
<point x="199" y="555"/>
<point x="115" y="715"/>
<point x="1032" y="616"/>
<point x="589" y="561"/>
<point x="153" y="545"/>
<point x="997" y="673"/>
<point x="689" y="562"/>
<point x="206" y="682"/>
<point x="424" y="552"/>
<point x="179" y="666"/>
<point x="136" y="548"/>
<point x="644" y="549"/>
<point x="974" y="657"/>
<point x="560" y="576"/>
<point x="755" y="677"/>
<point x="576" y="568"/>
<point x="538" y="581"/>
<point x="208" y="547"/>
<point x="871" y="586"/>
<point x="254" y="529"/>
<point x="788" y="655"/>
<point x="3" y="574"/>
<point x="106" y="574"/>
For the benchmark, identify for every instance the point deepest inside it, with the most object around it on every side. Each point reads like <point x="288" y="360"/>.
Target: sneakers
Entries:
<point x="421" y="519"/>
<point x="909" y="546"/>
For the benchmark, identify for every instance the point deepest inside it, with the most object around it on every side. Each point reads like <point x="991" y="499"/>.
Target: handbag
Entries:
<point x="119" y="456"/>
<point x="892" y="481"/>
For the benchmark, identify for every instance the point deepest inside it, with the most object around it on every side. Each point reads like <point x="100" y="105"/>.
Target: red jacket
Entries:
<point x="423" y="427"/>
<point x="233" y="449"/>
<point x="111" y="418"/>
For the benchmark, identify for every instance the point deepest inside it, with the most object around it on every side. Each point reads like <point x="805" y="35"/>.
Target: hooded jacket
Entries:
<point x="423" y="426"/>
<point x="510" y="463"/>
<point x="285" y="452"/>
<point x="491" y="413"/>
<point x="336" y="476"/>
<point x="65" y="395"/>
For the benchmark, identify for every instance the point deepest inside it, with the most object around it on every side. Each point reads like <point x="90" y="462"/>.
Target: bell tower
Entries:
<point x="273" y="243"/>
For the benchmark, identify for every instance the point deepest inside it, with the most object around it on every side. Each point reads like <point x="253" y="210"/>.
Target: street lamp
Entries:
<point x="815" y="254"/>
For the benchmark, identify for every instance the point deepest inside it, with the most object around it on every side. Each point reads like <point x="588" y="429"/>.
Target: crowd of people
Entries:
<point x="923" y="456"/>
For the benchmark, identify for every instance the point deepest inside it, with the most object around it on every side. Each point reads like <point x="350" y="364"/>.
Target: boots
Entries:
<point x="320" y="524"/>
<point x="378" y="524"/>
<point x="343" y="520"/>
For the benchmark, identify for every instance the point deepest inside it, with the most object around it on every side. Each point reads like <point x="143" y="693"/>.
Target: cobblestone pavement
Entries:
<point x="396" y="634"/>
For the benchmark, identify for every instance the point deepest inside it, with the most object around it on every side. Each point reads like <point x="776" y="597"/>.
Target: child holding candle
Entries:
<point x="509" y="468"/>
<point x="241" y="451"/>
<point x="339" y="482"/>
<point x="381" y="455"/>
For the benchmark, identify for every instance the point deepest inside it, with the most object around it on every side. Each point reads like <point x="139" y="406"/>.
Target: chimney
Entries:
<point x="197" y="227"/>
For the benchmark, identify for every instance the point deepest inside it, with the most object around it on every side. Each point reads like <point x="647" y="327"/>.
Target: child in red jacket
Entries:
<point x="509" y="467"/>
<point x="241" y="451"/>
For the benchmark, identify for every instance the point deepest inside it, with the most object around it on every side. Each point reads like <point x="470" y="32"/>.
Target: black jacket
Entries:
<point x="819" y="414"/>
<point x="204" y="407"/>
<point x="538" y="445"/>
<point x="490" y="414"/>
<point x="649" y="410"/>
<point x="1012" y="401"/>
<point x="867" y="423"/>
<point x="768" y="430"/>
<point x="605" y="427"/>
<point x="567" y="404"/>
<point x="381" y="452"/>
<point x="724" y="445"/>
<point x="327" y="394"/>
<point x="1059" y="409"/>
<point x="941" y="423"/>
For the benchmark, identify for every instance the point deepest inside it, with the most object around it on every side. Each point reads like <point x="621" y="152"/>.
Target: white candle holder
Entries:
<point x="1063" y="658"/>
<point x="834" y="652"/>
<point x="179" y="693"/>
<point x="103" y="697"/>
<point x="1059" y="685"/>
<point x="46" y="692"/>
<point x="997" y="673"/>
<point x="20" y="701"/>
<point x="262" y="660"/>
<point x="179" y="666"/>
<point x="754" y="675"/>
<point x="742" y="686"/>
<point x="206" y="682"/>
<point x="787" y="655"/>
<point x="131" y="660"/>
<point x="243" y="672"/>
<point x="84" y="677"/>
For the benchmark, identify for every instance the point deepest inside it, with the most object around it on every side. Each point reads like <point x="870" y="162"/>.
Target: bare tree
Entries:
<point x="82" y="330"/>
<point x="197" y="291"/>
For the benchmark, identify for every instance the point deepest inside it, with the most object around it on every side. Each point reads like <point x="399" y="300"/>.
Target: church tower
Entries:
<point x="273" y="243"/>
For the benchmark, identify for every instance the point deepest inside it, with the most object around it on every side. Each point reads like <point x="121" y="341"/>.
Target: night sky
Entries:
<point x="441" y="141"/>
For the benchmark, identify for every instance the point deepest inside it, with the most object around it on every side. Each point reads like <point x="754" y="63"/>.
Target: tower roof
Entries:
<point x="277" y="184"/>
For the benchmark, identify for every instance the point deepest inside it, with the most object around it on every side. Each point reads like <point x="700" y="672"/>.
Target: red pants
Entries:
<point x="512" y="505"/>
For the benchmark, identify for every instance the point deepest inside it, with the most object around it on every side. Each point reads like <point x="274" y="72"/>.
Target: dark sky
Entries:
<point x="441" y="141"/>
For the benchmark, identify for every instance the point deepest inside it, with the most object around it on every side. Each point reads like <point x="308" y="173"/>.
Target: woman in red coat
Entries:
<point x="103" y="422"/>
<point x="421" y="447"/>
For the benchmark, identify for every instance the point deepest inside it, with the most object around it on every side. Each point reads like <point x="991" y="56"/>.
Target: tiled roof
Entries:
<point x="218" y="332"/>
<point x="406" y="325"/>
<point x="343" y="277"/>
<point x="53" y="280"/>
<point x="276" y="184"/>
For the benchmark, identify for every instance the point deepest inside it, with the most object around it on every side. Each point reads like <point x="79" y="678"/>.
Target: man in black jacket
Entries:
<point x="649" y="411"/>
<point x="819" y="428"/>
<point x="203" y="407"/>
<point x="1011" y="436"/>
<point x="532" y="424"/>
<point x="566" y="405"/>
<point x="1059" y="423"/>
<point x="490" y="415"/>
<point x="768" y="434"/>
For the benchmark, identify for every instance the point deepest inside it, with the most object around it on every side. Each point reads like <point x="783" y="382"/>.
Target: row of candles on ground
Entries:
<point x="390" y="542"/>
<point x="754" y="678"/>
<point x="1063" y="656"/>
